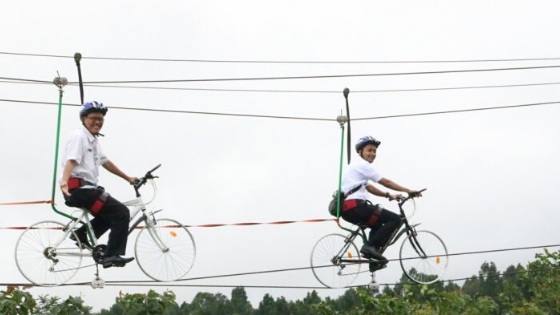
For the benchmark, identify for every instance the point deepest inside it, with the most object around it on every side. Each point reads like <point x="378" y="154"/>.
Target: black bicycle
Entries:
<point x="336" y="260"/>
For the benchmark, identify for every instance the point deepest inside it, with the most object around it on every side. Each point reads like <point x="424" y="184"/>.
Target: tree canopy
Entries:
<point x="531" y="289"/>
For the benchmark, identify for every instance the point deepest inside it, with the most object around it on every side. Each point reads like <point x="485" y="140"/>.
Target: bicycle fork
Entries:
<point x="151" y="225"/>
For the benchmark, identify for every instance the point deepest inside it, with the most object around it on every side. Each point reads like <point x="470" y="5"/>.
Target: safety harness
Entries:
<point x="76" y="183"/>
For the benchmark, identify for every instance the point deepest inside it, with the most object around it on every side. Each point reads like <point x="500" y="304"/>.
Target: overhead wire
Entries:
<point x="498" y="274"/>
<point x="299" y="91"/>
<point x="456" y="111"/>
<point x="283" y="61"/>
<point x="304" y="268"/>
<point x="331" y="91"/>
<point x="305" y="77"/>
<point x="185" y="111"/>
<point x="172" y="283"/>
<point x="332" y="76"/>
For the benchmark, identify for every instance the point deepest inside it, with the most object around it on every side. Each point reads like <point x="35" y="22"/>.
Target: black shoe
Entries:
<point x="116" y="261"/>
<point x="84" y="243"/>
<point x="371" y="252"/>
<point x="377" y="265"/>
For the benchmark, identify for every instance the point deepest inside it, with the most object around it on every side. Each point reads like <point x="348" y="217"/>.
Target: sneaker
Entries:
<point x="377" y="265"/>
<point x="84" y="243"/>
<point x="371" y="252"/>
<point x="116" y="261"/>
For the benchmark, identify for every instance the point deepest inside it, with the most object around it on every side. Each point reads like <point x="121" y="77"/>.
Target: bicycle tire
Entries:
<point x="172" y="262"/>
<point x="420" y="268"/>
<point x="42" y="264"/>
<point x="330" y="272"/>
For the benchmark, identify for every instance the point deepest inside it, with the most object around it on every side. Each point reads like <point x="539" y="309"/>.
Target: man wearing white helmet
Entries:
<point x="356" y="209"/>
<point x="82" y="156"/>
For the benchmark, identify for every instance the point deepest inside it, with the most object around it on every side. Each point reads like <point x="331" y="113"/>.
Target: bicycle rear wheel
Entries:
<point x="423" y="257"/>
<point x="41" y="261"/>
<point x="326" y="264"/>
<point x="165" y="251"/>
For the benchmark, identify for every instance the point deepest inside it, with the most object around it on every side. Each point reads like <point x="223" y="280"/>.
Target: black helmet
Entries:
<point x="365" y="141"/>
<point x="93" y="107"/>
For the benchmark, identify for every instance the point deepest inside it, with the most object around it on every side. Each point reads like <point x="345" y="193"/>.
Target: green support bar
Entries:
<point x="60" y="83"/>
<point x="341" y="120"/>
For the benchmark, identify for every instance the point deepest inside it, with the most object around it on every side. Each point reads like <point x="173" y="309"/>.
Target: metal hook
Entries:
<point x="342" y="120"/>
<point x="59" y="81"/>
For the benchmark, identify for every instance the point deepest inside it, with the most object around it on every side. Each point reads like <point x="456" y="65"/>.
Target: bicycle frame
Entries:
<point x="423" y="256"/>
<point x="136" y="206"/>
<point x="163" y="249"/>
<point x="404" y="227"/>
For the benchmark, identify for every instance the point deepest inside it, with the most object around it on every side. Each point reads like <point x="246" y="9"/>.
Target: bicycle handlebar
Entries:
<point x="404" y="199"/>
<point x="143" y="180"/>
<point x="153" y="169"/>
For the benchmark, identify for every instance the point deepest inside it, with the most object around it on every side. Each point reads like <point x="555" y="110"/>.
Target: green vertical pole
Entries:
<point x="60" y="83"/>
<point x="341" y="120"/>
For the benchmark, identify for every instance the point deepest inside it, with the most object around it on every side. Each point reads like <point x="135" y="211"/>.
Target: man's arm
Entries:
<point x="111" y="167"/>
<point x="70" y="164"/>
<point x="376" y="191"/>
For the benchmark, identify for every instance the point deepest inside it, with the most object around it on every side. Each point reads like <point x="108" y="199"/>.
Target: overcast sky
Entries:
<point x="491" y="175"/>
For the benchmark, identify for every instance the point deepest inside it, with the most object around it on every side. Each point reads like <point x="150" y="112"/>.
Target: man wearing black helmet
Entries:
<point x="81" y="158"/>
<point x="357" y="209"/>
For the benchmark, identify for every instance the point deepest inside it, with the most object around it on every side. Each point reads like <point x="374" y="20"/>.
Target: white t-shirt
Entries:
<point x="84" y="148"/>
<point x="359" y="172"/>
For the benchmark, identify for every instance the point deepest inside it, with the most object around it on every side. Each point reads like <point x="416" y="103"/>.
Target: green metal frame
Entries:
<point x="53" y="204"/>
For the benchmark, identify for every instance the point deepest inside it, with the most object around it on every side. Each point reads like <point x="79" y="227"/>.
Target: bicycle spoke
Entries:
<point x="165" y="251"/>
<point x="423" y="257"/>
<point x="40" y="262"/>
<point x="327" y="264"/>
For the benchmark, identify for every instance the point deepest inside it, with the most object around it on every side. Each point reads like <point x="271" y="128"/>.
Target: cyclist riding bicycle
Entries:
<point x="356" y="209"/>
<point x="81" y="158"/>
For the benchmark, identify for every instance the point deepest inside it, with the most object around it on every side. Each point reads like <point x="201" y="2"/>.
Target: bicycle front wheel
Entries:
<point x="45" y="256"/>
<point x="327" y="264"/>
<point x="423" y="257"/>
<point x="165" y="251"/>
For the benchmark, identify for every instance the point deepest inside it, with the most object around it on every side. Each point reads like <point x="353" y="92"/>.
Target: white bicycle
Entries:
<point x="164" y="249"/>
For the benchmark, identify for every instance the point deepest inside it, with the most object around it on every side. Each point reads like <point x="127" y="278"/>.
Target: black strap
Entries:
<point x="353" y="190"/>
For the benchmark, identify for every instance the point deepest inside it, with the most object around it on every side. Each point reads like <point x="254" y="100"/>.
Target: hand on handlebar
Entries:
<point x="395" y="197"/>
<point x="138" y="182"/>
<point x="415" y="193"/>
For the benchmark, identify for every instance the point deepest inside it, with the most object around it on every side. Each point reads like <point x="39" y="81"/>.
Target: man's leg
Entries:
<point x="84" y="198"/>
<point x="366" y="214"/>
<point x="116" y="216"/>
<point x="99" y="225"/>
<point x="387" y="223"/>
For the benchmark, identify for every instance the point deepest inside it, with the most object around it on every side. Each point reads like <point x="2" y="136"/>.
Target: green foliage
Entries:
<point x="13" y="301"/>
<point x="144" y="304"/>
<point x="209" y="304"/>
<point x="544" y="282"/>
<point x="71" y="306"/>
<point x="268" y="306"/>
<point x="530" y="290"/>
<point x="240" y="304"/>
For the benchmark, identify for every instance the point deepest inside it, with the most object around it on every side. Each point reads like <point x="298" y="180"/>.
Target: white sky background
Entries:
<point x="491" y="175"/>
